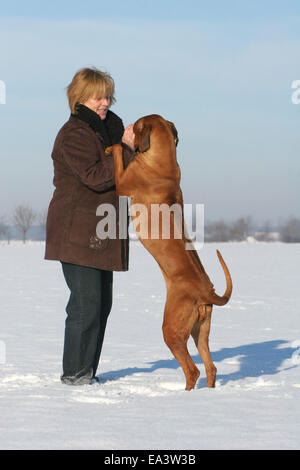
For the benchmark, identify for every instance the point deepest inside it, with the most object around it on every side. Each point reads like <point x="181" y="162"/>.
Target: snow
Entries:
<point x="141" y="402"/>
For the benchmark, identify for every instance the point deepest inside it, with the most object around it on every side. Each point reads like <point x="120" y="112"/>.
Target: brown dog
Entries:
<point x="153" y="177"/>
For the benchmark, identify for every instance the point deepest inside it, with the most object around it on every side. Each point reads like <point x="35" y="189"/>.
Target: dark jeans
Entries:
<point x="87" y="312"/>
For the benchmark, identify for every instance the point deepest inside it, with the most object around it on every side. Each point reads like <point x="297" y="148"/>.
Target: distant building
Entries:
<point x="267" y="236"/>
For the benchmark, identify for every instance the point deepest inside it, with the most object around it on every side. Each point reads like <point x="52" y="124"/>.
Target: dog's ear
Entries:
<point x="174" y="132"/>
<point x="142" y="133"/>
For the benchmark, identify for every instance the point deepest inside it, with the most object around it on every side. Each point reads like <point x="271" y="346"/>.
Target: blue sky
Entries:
<point x="153" y="9"/>
<point x="220" y="70"/>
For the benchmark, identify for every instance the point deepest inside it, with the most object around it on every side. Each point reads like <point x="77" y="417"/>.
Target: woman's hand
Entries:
<point x="128" y="136"/>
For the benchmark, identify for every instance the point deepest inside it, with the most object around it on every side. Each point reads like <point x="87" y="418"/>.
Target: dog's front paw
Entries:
<point x="109" y="150"/>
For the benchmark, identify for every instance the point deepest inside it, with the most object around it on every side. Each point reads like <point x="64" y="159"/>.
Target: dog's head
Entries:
<point x="143" y="127"/>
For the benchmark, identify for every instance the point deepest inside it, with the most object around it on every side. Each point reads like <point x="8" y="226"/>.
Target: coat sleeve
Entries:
<point x="82" y="156"/>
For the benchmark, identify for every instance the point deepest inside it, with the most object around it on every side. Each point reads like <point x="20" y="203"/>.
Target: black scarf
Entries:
<point x="110" y="130"/>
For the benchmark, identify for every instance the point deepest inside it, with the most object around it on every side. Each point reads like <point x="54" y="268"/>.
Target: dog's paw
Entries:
<point x="109" y="150"/>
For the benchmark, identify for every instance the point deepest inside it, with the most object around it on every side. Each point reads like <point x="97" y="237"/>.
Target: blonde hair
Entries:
<point x="89" y="83"/>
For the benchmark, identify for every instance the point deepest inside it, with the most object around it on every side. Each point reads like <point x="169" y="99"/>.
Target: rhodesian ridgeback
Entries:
<point x="153" y="178"/>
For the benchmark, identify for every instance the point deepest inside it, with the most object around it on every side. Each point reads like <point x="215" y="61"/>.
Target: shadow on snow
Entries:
<point x="253" y="360"/>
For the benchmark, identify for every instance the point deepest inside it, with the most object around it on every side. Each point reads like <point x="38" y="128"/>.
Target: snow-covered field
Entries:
<point x="141" y="402"/>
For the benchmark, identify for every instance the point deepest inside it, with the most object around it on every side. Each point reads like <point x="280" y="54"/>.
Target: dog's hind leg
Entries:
<point x="200" y="334"/>
<point x="176" y="330"/>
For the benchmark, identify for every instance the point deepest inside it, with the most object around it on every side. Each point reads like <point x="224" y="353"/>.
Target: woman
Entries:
<point x="83" y="180"/>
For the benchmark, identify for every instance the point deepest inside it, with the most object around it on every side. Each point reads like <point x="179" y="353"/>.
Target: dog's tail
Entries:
<point x="215" y="298"/>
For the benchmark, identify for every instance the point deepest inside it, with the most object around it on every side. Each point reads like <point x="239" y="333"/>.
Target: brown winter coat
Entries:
<point x="84" y="179"/>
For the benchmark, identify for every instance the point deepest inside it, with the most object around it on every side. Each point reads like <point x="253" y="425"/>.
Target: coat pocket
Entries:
<point x="83" y="231"/>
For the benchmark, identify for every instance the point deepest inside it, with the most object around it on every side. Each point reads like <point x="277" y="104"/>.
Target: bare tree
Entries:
<point x="4" y="229"/>
<point x="42" y="220"/>
<point x="217" y="231"/>
<point x="24" y="217"/>
<point x="290" y="231"/>
<point x="240" y="228"/>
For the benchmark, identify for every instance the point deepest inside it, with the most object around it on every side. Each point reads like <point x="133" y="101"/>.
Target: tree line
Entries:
<point x="24" y="218"/>
<point x="244" y="227"/>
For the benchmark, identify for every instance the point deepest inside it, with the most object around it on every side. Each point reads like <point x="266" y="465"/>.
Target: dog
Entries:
<point x="153" y="178"/>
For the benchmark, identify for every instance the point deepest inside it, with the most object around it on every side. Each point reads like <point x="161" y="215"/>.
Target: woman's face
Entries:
<point x="98" y="105"/>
